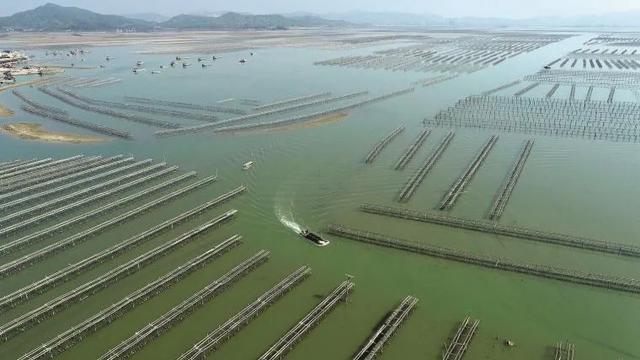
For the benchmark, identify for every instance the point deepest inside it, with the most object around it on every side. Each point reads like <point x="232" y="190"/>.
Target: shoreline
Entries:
<point x="33" y="131"/>
<point x="5" y="111"/>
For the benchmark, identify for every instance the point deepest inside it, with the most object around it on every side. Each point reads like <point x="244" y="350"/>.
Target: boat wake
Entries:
<point x="286" y="218"/>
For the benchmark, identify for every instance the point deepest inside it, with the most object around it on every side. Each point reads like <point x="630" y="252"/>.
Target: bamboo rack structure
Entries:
<point x="29" y="259"/>
<point x="64" y="274"/>
<point x="504" y="194"/>
<point x="184" y="105"/>
<point x="373" y="346"/>
<point x="144" y="335"/>
<point x="304" y="326"/>
<point x="66" y="198"/>
<point x="106" y="111"/>
<point x="457" y="188"/>
<point x="225" y="125"/>
<point x="595" y="120"/>
<point x="448" y="56"/>
<point x="43" y="181"/>
<point x="290" y="101"/>
<point x="37" y="218"/>
<point x="564" y="351"/>
<point x="215" y="338"/>
<point x="459" y="344"/>
<point x="70" y="185"/>
<point x="35" y="316"/>
<point x="140" y="108"/>
<point x="505" y="230"/>
<point x="416" y="179"/>
<point x="411" y="151"/>
<point x="105" y="317"/>
<point x="380" y="145"/>
<point x="565" y="275"/>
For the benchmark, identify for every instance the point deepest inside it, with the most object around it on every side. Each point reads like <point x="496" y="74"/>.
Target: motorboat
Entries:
<point x="314" y="238"/>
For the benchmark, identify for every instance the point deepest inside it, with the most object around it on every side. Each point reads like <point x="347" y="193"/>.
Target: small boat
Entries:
<point x="139" y="62"/>
<point x="184" y="65"/>
<point x="242" y="61"/>
<point x="248" y="165"/>
<point x="155" y="72"/>
<point x="205" y="65"/>
<point x="214" y="57"/>
<point x="314" y="238"/>
<point x="547" y="67"/>
<point x="161" y="66"/>
<point x="173" y="63"/>
<point x="199" y="59"/>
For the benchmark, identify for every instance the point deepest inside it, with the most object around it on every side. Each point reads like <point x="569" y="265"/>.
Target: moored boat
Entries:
<point x="248" y="165"/>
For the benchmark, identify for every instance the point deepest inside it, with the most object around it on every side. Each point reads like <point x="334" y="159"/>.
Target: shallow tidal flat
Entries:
<point x="36" y="132"/>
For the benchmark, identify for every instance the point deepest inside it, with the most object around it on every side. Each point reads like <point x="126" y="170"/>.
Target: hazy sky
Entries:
<point x="449" y="8"/>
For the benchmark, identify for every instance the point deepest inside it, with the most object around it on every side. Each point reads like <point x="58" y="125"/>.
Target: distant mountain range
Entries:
<point x="614" y="19"/>
<point x="233" y="20"/>
<point x="148" y="16"/>
<point x="52" y="17"/>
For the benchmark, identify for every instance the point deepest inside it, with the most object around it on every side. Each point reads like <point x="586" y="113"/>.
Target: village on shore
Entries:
<point x="15" y="63"/>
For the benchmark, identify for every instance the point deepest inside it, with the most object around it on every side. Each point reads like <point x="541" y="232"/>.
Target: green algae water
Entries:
<point x="313" y="176"/>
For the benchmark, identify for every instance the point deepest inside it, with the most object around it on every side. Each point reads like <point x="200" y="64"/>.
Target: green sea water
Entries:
<point x="310" y="177"/>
